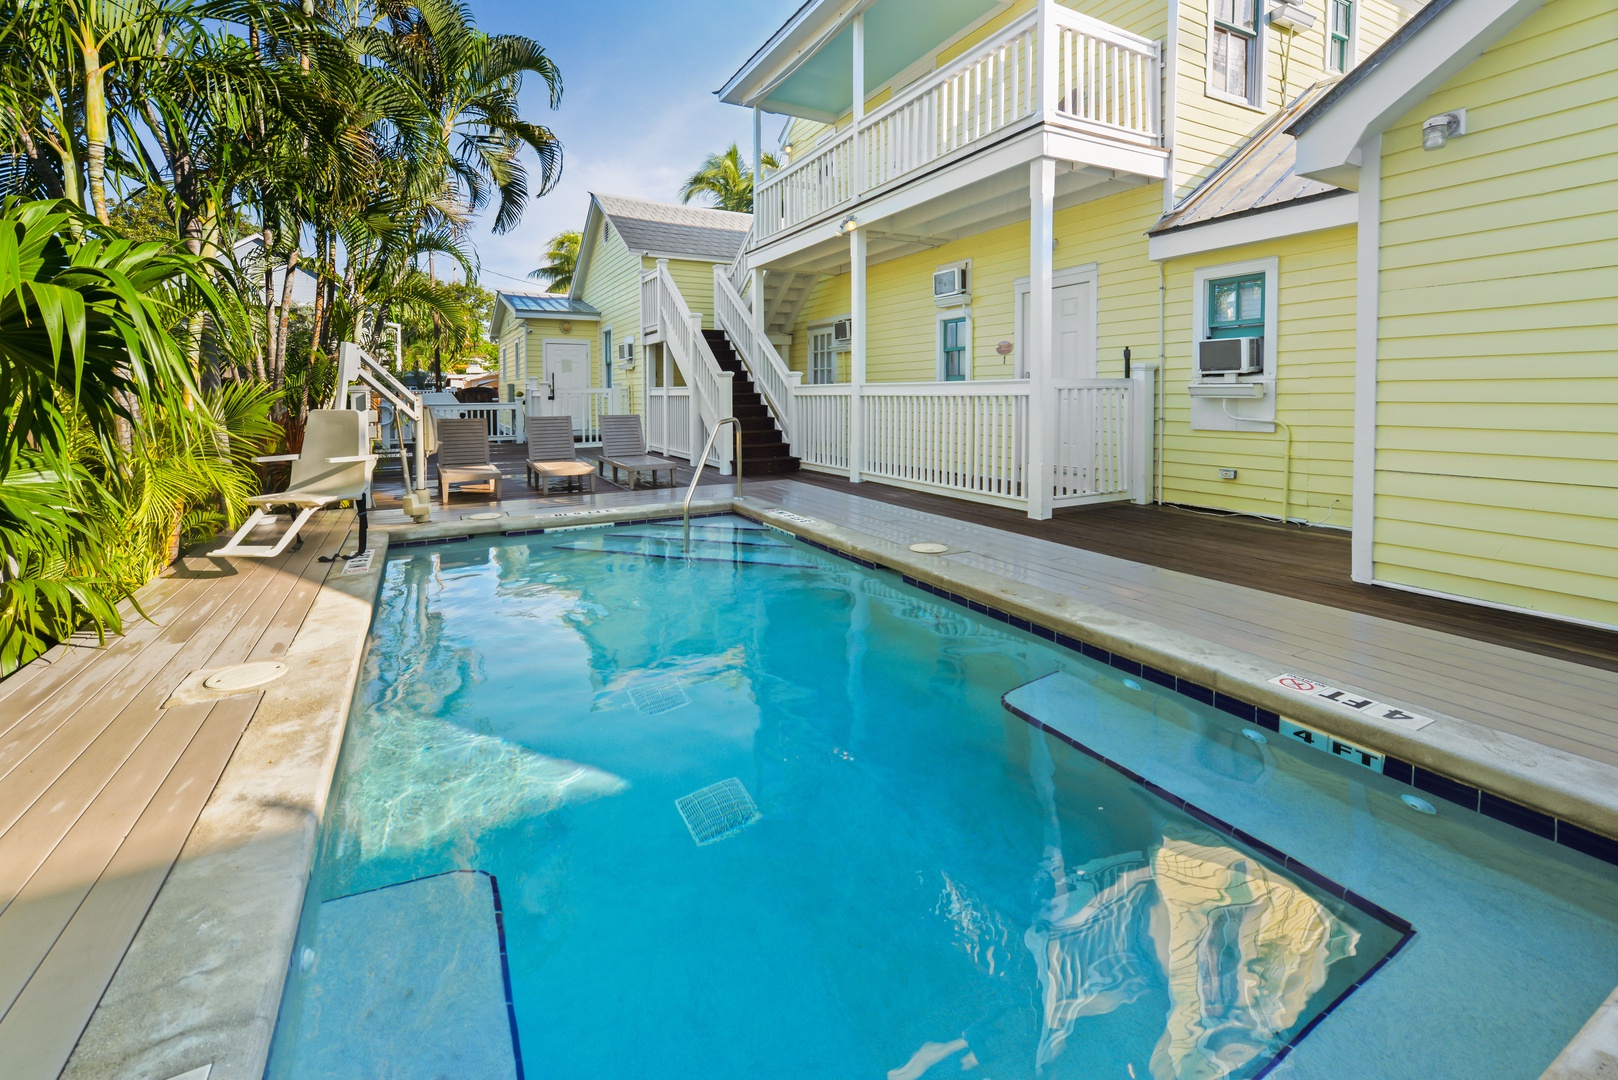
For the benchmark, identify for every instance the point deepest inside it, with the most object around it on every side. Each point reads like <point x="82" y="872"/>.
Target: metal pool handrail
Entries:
<point x="702" y="463"/>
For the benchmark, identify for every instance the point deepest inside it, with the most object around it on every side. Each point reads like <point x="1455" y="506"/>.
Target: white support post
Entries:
<point x="1041" y="270"/>
<point x="1047" y="60"/>
<point x="856" y="412"/>
<point x="758" y="145"/>
<point x="1142" y="429"/>
<point x="1368" y="301"/>
<point x="858" y="118"/>
<point x="755" y="299"/>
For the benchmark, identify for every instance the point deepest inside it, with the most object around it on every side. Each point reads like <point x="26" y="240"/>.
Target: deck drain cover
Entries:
<point x="929" y="548"/>
<point x="717" y="811"/>
<point x="245" y="676"/>
<point x="487" y="515"/>
<point x="664" y="695"/>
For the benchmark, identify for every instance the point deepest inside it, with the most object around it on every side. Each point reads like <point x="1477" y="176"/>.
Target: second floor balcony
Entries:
<point x="1095" y="88"/>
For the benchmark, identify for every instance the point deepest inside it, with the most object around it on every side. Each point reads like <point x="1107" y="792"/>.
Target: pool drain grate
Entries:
<point x="655" y="698"/>
<point x="717" y="811"/>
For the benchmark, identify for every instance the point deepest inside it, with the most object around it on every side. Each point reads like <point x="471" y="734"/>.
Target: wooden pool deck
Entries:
<point x="100" y="785"/>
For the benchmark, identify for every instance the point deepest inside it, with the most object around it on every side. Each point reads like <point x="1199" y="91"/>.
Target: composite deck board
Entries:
<point x="1551" y="699"/>
<point x="44" y="1024"/>
<point x="103" y="785"/>
<point x="94" y="740"/>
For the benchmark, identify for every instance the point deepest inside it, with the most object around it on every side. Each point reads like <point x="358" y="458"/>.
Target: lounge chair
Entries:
<point x="551" y="453"/>
<point x="333" y="465"/>
<point x="463" y="456"/>
<point x="623" y="446"/>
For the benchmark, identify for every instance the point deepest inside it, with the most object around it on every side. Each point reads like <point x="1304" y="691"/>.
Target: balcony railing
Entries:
<point x="1071" y="70"/>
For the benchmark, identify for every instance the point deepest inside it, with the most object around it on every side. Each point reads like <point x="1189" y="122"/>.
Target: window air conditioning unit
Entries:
<point x="951" y="287"/>
<point x="1230" y="356"/>
<point x="842" y="335"/>
<point x="626" y="354"/>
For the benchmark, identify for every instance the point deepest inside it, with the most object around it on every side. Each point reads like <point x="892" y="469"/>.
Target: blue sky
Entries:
<point x="638" y="112"/>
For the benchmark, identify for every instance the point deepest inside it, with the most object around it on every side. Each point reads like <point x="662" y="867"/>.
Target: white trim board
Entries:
<point x="1367" y="311"/>
<point x="1221" y="234"/>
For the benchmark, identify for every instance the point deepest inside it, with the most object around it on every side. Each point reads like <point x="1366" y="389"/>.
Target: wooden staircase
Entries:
<point x="764" y="451"/>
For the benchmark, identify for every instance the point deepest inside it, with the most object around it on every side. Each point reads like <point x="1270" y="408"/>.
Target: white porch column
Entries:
<point x="1041" y="240"/>
<point x="856" y="378"/>
<point x="755" y="299"/>
<point x="758" y="145"/>
<point x="858" y="118"/>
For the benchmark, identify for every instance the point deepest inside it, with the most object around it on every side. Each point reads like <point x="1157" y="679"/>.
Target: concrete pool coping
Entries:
<point x="202" y="982"/>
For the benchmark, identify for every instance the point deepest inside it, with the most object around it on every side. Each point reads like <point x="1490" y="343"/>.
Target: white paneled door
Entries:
<point x="566" y="384"/>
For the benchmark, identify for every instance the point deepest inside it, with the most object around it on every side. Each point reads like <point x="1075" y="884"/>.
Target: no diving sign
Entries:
<point x="1354" y="703"/>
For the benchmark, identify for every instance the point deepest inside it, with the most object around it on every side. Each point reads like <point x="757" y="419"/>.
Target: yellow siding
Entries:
<point x="612" y="287"/>
<point x="695" y="282"/>
<point x="1497" y="388"/>
<point x="1207" y="128"/>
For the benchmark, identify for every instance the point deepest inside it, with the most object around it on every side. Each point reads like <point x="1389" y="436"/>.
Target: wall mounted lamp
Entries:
<point x="1440" y="129"/>
<point x="850" y="223"/>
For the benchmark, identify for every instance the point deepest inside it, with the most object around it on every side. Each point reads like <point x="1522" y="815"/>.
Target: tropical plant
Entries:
<point x="726" y="180"/>
<point x="562" y="260"/>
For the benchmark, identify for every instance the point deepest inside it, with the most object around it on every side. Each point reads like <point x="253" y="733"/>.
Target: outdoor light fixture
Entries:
<point x="850" y="223"/>
<point x="1439" y="129"/>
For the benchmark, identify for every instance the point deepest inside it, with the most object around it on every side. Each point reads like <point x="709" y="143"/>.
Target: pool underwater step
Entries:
<point x="703" y="549"/>
<point x="412" y="979"/>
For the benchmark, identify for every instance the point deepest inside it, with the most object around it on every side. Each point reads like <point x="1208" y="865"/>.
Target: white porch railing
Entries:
<point x="961" y="437"/>
<point x="503" y="419"/>
<point x="821" y="427"/>
<point x="586" y="407"/>
<point x="770" y="373"/>
<point x="681" y="334"/>
<point x="669" y="420"/>
<point x="1094" y="445"/>
<point x="1104" y="82"/>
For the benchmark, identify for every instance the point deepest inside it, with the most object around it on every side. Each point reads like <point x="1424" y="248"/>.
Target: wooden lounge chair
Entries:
<point x="551" y="454"/>
<point x="334" y="464"/>
<point x="463" y="456"/>
<point x="623" y="446"/>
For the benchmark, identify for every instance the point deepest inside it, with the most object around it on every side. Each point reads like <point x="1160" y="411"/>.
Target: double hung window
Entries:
<point x="1340" y="35"/>
<point x="1233" y="59"/>
<point x="1236" y="307"/>
<point x="952" y="349"/>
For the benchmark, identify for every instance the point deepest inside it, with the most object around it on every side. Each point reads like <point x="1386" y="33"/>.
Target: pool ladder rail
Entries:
<point x="702" y="463"/>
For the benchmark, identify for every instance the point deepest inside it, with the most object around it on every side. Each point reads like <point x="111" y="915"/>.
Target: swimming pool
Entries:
<point x="918" y="870"/>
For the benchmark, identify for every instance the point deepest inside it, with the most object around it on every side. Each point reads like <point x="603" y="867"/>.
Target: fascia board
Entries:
<point x="1326" y="213"/>
<point x="1328" y="148"/>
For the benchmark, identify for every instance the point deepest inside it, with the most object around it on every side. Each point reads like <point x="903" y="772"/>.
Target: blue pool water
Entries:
<point x="932" y="886"/>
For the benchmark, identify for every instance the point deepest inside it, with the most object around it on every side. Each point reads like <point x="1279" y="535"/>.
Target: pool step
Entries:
<point x="749" y="549"/>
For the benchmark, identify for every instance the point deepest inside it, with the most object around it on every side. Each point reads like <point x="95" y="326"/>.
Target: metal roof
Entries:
<point x="694" y="232"/>
<point x="1370" y="64"/>
<point x="534" y="304"/>
<point x="1260" y="175"/>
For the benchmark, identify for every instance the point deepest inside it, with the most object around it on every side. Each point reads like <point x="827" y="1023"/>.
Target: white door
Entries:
<point x="1072" y="337"/>
<point x="567" y="382"/>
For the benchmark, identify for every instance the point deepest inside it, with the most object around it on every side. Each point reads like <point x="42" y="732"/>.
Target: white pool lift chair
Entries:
<point x="334" y="465"/>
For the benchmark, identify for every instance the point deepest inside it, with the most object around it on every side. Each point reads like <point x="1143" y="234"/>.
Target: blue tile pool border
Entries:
<point x="500" y="938"/>
<point x="1536" y="823"/>
<point x="1286" y="862"/>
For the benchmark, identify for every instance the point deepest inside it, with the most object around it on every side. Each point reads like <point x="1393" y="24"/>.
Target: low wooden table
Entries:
<point x="571" y="471"/>
<point x="636" y="464"/>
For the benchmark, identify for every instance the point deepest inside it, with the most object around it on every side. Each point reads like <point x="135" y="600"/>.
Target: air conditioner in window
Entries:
<point x="842" y="335"/>
<point x="950" y="285"/>
<point x="1230" y="356"/>
<point x="626" y="354"/>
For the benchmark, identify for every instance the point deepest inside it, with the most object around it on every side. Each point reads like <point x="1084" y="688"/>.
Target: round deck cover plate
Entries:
<point x="929" y="548"/>
<point x="487" y="515"/>
<point x="245" y="676"/>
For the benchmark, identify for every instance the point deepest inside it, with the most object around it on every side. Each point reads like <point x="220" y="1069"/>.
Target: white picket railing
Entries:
<point x="586" y="407"/>
<point x="681" y="334"/>
<point x="738" y="270"/>
<point x="1107" y="84"/>
<point x="769" y="372"/>
<point x="504" y="419"/>
<point x="821" y="427"/>
<point x="669" y="420"/>
<point x="1105" y="76"/>
<point x="1094" y="429"/>
<point x="965" y="437"/>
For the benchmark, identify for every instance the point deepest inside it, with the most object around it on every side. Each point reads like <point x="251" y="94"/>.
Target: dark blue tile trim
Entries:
<point x="1292" y="866"/>
<point x="1456" y="792"/>
<point x="500" y="937"/>
<point x="1583" y="840"/>
<point x="1511" y="813"/>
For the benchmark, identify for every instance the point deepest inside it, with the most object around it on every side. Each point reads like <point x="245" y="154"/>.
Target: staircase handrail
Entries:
<point x="738" y="273"/>
<point x="777" y="382"/>
<point x="682" y="336"/>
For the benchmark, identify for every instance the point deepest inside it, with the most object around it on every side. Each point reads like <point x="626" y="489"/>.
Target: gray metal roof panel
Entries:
<point x="672" y="229"/>
<point x="536" y="304"/>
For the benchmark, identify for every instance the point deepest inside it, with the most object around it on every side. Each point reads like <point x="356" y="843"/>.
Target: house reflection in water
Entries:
<point x="1240" y="949"/>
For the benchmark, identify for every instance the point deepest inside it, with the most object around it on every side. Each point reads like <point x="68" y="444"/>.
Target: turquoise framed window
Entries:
<point x="1340" y="35"/>
<point x="952" y="345"/>
<point x="1236" y="307"/>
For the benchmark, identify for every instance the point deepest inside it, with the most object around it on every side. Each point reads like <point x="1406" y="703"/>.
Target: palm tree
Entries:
<point x="726" y="180"/>
<point x="562" y="260"/>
